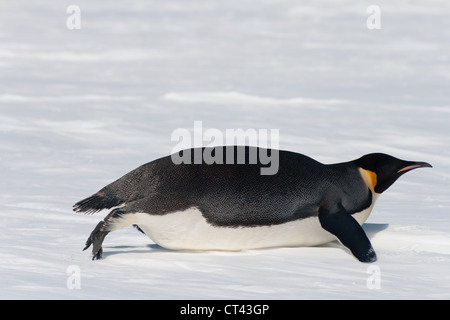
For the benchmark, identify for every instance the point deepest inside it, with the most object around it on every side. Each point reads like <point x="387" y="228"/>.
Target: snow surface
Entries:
<point x="80" y="108"/>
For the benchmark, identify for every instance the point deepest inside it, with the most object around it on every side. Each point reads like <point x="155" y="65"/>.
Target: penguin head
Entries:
<point x="384" y="169"/>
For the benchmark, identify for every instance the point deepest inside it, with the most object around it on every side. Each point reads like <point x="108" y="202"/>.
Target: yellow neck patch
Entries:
<point x="369" y="177"/>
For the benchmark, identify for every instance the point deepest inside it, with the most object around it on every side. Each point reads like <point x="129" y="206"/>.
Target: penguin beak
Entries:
<point x="414" y="165"/>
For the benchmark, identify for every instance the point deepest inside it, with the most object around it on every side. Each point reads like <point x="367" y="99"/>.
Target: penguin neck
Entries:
<point x="369" y="178"/>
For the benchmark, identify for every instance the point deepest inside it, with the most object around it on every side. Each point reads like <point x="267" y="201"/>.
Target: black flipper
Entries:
<point x="349" y="232"/>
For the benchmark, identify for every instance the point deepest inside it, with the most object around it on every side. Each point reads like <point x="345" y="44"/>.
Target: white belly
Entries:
<point x="189" y="230"/>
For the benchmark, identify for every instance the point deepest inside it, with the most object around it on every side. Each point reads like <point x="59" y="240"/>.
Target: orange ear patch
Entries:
<point x="370" y="178"/>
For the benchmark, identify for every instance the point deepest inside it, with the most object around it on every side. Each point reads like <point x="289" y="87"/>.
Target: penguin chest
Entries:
<point x="189" y="230"/>
<point x="363" y="215"/>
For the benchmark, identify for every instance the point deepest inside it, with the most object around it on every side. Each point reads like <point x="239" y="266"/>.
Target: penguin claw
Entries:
<point x="88" y="244"/>
<point x="95" y="255"/>
<point x="98" y="255"/>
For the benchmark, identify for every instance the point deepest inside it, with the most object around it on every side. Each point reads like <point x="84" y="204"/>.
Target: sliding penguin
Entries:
<point x="232" y="206"/>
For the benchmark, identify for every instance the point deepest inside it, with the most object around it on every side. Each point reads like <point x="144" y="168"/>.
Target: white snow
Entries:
<point x="80" y="108"/>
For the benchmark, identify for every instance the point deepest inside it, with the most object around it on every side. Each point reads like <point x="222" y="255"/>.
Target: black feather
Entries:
<point x="95" y="203"/>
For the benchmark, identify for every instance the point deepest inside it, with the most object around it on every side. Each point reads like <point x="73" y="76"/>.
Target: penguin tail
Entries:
<point x="95" y="203"/>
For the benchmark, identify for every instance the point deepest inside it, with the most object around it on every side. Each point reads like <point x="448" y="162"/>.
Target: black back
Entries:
<point x="237" y="194"/>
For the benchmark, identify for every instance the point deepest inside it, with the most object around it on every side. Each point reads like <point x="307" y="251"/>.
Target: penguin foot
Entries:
<point x="96" y="238"/>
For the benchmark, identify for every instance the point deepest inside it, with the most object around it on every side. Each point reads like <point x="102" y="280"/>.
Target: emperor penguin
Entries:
<point x="231" y="205"/>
